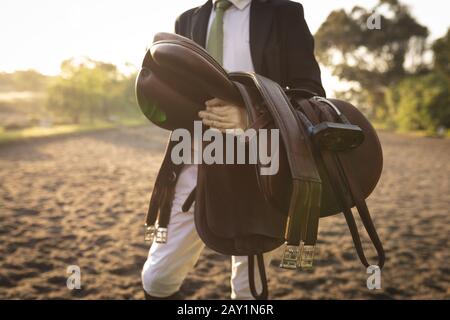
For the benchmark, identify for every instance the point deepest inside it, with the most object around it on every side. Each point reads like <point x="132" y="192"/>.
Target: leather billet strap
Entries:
<point x="189" y="200"/>
<point x="162" y="196"/>
<point x="344" y="185"/>
<point x="152" y="213"/>
<point x="261" y="122"/>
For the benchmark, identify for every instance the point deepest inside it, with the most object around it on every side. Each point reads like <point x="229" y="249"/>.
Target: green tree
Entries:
<point x="441" y="50"/>
<point x="422" y="102"/>
<point x="27" y="80"/>
<point x="89" y="89"/>
<point x="372" y="61"/>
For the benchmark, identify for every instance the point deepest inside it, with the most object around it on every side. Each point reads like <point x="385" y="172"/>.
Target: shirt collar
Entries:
<point x="240" y="4"/>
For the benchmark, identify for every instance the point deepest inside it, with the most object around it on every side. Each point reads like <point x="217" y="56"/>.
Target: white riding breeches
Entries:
<point x="168" y="264"/>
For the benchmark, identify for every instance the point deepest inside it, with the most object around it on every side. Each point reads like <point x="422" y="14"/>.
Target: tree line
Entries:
<point x="87" y="90"/>
<point x="23" y="80"/>
<point x="393" y="73"/>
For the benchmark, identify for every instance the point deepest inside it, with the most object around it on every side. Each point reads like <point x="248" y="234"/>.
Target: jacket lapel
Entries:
<point x="200" y="19"/>
<point x="261" y="15"/>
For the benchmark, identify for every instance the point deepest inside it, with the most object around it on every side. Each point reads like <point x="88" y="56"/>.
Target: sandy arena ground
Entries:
<point x="81" y="200"/>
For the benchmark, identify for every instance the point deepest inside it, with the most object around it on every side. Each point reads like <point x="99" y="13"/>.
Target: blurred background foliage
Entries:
<point x="86" y="92"/>
<point x="399" y="78"/>
<point x="394" y="74"/>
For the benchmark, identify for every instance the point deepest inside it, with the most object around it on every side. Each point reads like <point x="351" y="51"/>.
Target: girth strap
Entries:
<point x="304" y="210"/>
<point x="345" y="186"/>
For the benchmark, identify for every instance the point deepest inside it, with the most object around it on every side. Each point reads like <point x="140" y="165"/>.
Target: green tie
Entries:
<point x="215" y="38"/>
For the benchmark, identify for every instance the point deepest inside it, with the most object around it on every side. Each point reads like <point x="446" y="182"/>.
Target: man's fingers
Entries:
<point x="215" y="102"/>
<point x="218" y="124"/>
<point x="220" y="110"/>
<point x="210" y="116"/>
<point x="223" y="117"/>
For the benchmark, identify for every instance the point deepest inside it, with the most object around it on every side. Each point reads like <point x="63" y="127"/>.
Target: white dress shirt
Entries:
<point x="236" y="57"/>
<point x="236" y="36"/>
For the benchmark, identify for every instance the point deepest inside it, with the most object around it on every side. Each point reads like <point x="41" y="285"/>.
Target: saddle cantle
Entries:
<point x="330" y="160"/>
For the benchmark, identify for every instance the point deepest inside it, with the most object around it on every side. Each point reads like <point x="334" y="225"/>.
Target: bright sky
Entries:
<point x="40" y="34"/>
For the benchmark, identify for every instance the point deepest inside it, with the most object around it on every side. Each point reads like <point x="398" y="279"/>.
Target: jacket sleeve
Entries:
<point x="177" y="26"/>
<point x="183" y="23"/>
<point x="302" y="69"/>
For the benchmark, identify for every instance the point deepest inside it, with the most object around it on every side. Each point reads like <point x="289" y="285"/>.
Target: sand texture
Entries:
<point x="81" y="200"/>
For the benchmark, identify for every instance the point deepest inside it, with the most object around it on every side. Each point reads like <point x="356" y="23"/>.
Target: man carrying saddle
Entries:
<point x="270" y="38"/>
<point x="330" y="158"/>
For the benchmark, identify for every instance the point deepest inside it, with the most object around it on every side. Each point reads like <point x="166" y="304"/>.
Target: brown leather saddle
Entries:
<point x="330" y="160"/>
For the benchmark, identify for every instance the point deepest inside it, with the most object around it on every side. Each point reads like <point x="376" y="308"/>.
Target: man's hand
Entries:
<point x="223" y="115"/>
